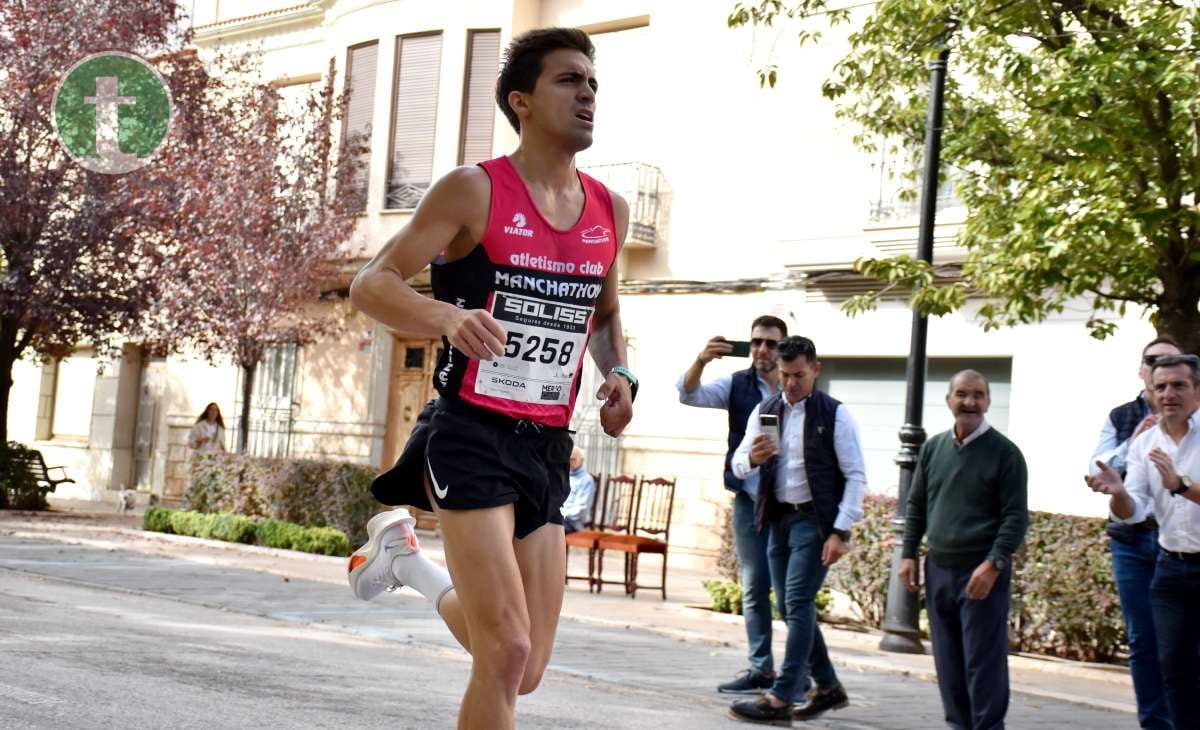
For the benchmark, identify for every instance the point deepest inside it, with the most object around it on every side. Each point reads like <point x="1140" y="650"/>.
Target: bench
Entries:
<point x="36" y="464"/>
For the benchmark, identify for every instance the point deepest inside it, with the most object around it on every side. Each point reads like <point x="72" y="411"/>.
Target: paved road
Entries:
<point x="94" y="638"/>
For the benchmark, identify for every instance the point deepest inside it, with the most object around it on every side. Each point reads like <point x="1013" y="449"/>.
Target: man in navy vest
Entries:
<point x="811" y="486"/>
<point x="1134" y="548"/>
<point x="739" y="394"/>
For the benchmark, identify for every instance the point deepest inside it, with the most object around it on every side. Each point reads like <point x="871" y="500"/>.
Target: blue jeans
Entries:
<point x="796" y="546"/>
<point x="1175" y="597"/>
<point x="751" y="547"/>
<point x="1133" y="569"/>
<point x="970" y="646"/>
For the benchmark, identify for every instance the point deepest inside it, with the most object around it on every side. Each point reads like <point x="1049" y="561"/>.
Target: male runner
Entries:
<point x="524" y="279"/>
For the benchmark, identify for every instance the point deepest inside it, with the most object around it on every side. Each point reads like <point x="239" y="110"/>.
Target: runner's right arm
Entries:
<point x="451" y="219"/>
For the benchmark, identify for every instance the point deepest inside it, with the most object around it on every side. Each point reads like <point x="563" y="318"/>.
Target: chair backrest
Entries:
<point x="595" y="512"/>
<point x="656" y="499"/>
<point x="619" y="503"/>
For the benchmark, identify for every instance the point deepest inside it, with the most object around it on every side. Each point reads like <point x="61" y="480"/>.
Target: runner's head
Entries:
<point x="548" y="83"/>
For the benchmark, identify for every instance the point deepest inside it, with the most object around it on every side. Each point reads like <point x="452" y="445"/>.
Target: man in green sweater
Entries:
<point x="968" y="497"/>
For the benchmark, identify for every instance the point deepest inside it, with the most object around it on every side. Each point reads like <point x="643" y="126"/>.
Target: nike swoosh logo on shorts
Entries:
<point x="439" y="490"/>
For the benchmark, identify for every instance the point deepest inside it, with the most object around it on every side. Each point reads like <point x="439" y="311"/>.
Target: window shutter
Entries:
<point x="361" y="65"/>
<point x="479" y="103"/>
<point x="414" y="116"/>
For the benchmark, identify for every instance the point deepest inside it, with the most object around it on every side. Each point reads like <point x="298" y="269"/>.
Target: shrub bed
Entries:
<point x="239" y="528"/>
<point x="302" y="491"/>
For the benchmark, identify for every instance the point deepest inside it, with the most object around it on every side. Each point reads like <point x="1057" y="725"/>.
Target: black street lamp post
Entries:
<point x="900" y="630"/>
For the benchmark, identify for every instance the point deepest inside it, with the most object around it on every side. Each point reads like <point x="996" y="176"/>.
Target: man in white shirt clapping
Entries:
<point x="1163" y="472"/>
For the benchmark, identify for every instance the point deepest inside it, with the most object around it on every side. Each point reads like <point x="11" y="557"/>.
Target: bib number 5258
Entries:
<point x="535" y="348"/>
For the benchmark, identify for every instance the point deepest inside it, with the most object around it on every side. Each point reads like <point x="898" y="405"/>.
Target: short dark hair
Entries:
<point x="1191" y="361"/>
<point x="768" y="320"/>
<point x="796" y="346"/>
<point x="1162" y="340"/>
<point x="523" y="62"/>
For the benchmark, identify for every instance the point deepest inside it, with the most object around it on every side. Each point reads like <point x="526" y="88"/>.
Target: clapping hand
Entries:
<point x="1166" y="469"/>
<point x="1106" y="481"/>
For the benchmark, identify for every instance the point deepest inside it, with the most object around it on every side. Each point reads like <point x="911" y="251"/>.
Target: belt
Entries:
<point x="1147" y="524"/>
<point x="804" y="508"/>
<point x="1185" y="557"/>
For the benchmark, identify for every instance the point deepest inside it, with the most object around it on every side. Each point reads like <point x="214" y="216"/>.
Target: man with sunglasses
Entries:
<point x="738" y="394"/>
<point x="1163" y="474"/>
<point x="1134" y="548"/>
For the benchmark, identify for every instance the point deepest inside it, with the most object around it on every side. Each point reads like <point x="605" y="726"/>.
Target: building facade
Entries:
<point x="745" y="201"/>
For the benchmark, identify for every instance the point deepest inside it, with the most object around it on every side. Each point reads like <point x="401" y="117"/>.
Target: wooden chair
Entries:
<point x="586" y="538"/>
<point x="651" y="533"/>
<point x="619" y="505"/>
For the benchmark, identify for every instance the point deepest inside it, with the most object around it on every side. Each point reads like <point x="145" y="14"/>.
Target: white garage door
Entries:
<point x="874" y="389"/>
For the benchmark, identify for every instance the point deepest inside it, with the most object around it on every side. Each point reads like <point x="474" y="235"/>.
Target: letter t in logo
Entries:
<point x="107" y="102"/>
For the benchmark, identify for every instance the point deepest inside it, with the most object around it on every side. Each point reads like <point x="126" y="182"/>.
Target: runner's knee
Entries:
<point x="506" y="656"/>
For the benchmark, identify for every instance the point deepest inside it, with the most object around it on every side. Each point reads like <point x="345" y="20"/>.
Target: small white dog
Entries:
<point x="126" y="500"/>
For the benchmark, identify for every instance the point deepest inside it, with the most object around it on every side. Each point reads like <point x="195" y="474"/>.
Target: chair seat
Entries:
<point x="632" y="543"/>
<point x="584" y="538"/>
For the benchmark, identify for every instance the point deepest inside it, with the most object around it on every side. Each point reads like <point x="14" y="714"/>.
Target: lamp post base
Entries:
<point x="901" y="643"/>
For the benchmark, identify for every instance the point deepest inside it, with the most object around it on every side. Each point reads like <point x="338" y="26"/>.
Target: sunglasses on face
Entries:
<point x="759" y="342"/>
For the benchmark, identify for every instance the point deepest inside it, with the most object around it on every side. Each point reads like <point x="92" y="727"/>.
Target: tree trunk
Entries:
<point x="8" y="358"/>
<point x="1184" y="326"/>
<point x="1178" y="315"/>
<point x="247" y="389"/>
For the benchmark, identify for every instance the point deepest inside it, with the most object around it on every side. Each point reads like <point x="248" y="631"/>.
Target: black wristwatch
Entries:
<point x="844" y="534"/>
<point x="1185" y="483"/>
<point x="1000" y="563"/>
<point x="624" y="372"/>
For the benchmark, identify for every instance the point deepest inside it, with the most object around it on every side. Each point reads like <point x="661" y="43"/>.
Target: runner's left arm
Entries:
<point x="607" y="344"/>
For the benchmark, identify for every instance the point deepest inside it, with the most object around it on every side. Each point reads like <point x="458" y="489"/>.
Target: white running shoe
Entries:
<point x="389" y="535"/>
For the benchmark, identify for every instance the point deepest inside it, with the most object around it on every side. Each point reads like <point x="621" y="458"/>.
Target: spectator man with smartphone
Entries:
<point x="738" y="394"/>
<point x="811" y="485"/>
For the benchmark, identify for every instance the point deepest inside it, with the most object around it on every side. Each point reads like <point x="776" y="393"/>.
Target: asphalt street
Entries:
<point x="102" y="638"/>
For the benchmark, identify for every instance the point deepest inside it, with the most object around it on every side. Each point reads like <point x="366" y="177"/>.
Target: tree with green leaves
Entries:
<point x="1073" y="128"/>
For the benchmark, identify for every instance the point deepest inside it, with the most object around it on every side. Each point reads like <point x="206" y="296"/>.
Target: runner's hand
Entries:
<point x="617" y="410"/>
<point x="476" y="333"/>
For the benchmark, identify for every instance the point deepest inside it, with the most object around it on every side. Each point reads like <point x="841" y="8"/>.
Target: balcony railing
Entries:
<point x="645" y="188"/>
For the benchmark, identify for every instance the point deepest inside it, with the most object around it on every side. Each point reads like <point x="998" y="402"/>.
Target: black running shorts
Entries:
<point x="477" y="459"/>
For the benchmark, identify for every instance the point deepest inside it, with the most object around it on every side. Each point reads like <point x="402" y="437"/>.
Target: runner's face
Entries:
<point x="563" y="101"/>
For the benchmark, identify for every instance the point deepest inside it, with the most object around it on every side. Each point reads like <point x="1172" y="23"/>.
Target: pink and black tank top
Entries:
<point x="541" y="284"/>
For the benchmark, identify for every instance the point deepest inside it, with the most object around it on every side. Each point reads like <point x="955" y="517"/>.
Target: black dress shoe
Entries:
<point x="762" y="712"/>
<point x="820" y="701"/>
<point x="749" y="682"/>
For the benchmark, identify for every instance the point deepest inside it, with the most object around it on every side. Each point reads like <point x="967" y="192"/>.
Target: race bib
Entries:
<point x="541" y="356"/>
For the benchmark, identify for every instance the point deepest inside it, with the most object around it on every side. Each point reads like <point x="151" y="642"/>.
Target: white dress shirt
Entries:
<point x="791" y="480"/>
<point x="980" y="430"/>
<point x="1178" y="517"/>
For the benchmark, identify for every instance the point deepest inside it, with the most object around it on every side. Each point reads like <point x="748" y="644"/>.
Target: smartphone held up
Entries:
<point x="769" y="424"/>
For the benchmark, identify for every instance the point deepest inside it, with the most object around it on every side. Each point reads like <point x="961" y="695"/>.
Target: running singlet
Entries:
<point x="541" y="284"/>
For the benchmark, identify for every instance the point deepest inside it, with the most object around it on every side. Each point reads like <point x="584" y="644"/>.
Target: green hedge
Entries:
<point x="727" y="598"/>
<point x="18" y="488"/>
<point x="1064" y="599"/>
<point x="306" y="492"/>
<point x="239" y="528"/>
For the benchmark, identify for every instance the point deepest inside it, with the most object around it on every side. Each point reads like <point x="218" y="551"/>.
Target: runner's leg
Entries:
<point x="541" y="556"/>
<point x="491" y="596"/>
